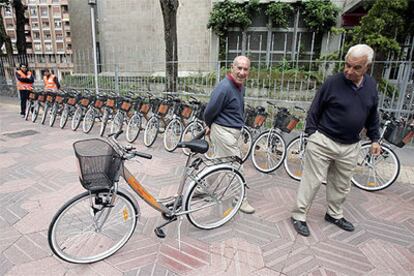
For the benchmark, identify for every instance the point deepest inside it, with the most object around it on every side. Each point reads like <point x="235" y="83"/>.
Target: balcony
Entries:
<point x="65" y="16"/>
<point x="68" y="39"/>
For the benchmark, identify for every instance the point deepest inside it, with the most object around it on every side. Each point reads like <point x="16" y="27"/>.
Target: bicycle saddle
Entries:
<point x="196" y="145"/>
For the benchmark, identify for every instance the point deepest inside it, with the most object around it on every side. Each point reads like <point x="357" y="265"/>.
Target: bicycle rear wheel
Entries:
<point x="172" y="135"/>
<point x="269" y="151"/>
<point x="191" y="131"/>
<point x="215" y="198"/>
<point x="245" y="143"/>
<point x="133" y="128"/>
<point x="374" y="173"/>
<point x="295" y="155"/>
<point x="151" y="131"/>
<point x="88" y="229"/>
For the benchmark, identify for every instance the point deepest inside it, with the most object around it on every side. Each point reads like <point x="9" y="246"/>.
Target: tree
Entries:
<point x="169" y="13"/>
<point x="19" y="9"/>
<point x="4" y="38"/>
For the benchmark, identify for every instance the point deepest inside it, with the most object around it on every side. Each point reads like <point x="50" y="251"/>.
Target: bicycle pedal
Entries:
<point x="159" y="232"/>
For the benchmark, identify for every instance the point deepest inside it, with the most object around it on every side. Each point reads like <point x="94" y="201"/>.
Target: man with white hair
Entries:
<point x="224" y="114"/>
<point x="345" y="104"/>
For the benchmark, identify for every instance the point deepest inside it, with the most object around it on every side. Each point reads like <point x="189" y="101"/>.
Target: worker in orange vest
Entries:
<point x="50" y="81"/>
<point x="25" y="80"/>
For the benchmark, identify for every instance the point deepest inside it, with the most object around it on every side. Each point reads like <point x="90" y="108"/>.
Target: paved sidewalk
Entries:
<point x="38" y="174"/>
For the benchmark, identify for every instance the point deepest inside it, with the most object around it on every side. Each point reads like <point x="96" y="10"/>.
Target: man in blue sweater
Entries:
<point x="224" y="114"/>
<point x="345" y="104"/>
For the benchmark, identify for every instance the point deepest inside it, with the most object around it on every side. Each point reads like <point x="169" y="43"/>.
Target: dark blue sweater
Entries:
<point x="226" y="105"/>
<point x="340" y="110"/>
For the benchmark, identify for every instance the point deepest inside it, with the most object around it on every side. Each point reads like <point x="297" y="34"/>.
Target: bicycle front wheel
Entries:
<point x="76" y="119"/>
<point x="172" y="135"/>
<point x="88" y="228"/>
<point x="45" y="111"/>
<point x="29" y="106"/>
<point x="64" y="117"/>
<point x="88" y="121"/>
<point x="374" y="173"/>
<point x="53" y="114"/>
<point x="295" y="155"/>
<point x="133" y="128"/>
<point x="105" y="118"/>
<point x="117" y="122"/>
<point x="269" y="151"/>
<point x="151" y="132"/>
<point x="35" y="112"/>
<point x="215" y="198"/>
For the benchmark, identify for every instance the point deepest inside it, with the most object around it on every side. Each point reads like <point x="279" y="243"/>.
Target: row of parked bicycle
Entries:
<point x="182" y="121"/>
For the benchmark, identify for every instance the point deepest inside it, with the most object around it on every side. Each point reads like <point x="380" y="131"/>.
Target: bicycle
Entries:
<point x="83" y="104"/>
<point x="94" y="112"/>
<point x="269" y="149"/>
<point x="30" y="103"/>
<point x="57" y="107"/>
<point x="121" y="116"/>
<point x="107" y="112"/>
<point x="160" y="108"/>
<point x="134" y="125"/>
<point x="69" y="107"/>
<point x="97" y="223"/>
<point x="175" y="128"/>
<point x="39" y="103"/>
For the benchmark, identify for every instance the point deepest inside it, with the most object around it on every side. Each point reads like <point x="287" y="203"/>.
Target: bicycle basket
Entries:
<point x="98" y="103"/>
<point x="50" y="98"/>
<point x="200" y="112"/>
<point x="398" y="135"/>
<point x="59" y="99"/>
<point x="110" y="103"/>
<point x="163" y="108"/>
<point x="33" y="96"/>
<point x="84" y="102"/>
<point x="126" y="105"/>
<point x="71" y="101"/>
<point x="41" y="98"/>
<point x="259" y="120"/>
<point x="250" y="117"/>
<point x="145" y="108"/>
<point x="186" y="111"/>
<point x="98" y="163"/>
<point x="285" y="121"/>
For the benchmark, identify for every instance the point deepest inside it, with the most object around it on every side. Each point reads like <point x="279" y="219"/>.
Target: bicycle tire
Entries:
<point x="117" y="122"/>
<point x="263" y="155"/>
<point x="295" y="156"/>
<point x="88" y="121"/>
<point x="245" y="143"/>
<point x="207" y="191"/>
<point x="76" y="119"/>
<point x="172" y="135"/>
<point x="379" y="175"/>
<point x="151" y="132"/>
<point x="28" y="108"/>
<point x="53" y="114"/>
<point x="77" y="214"/>
<point x="35" y="112"/>
<point x="64" y="117"/>
<point x="133" y="128"/>
<point x="105" y="117"/>
<point x="190" y="131"/>
<point x="45" y="111"/>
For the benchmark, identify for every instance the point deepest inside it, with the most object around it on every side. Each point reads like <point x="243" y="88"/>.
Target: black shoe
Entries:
<point x="341" y="223"/>
<point x="301" y="227"/>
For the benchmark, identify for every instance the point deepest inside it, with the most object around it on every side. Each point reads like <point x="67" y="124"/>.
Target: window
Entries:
<point x="38" y="47"/>
<point x="58" y="23"/>
<point x="47" y="35"/>
<point x="48" y="47"/>
<point x="8" y="11"/>
<point x="59" y="47"/>
<point x="36" y="35"/>
<point x="44" y="11"/>
<point x="56" y="11"/>
<point x="9" y="24"/>
<point x="35" y="25"/>
<point x="45" y="24"/>
<point x="59" y="35"/>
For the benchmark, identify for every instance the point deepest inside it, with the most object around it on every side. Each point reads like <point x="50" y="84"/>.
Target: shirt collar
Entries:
<point x="238" y="85"/>
<point x="353" y="85"/>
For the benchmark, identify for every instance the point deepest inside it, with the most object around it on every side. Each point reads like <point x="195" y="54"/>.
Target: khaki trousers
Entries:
<point x="225" y="141"/>
<point x="326" y="159"/>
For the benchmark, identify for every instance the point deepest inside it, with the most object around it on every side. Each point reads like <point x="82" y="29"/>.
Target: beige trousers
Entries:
<point x="225" y="141"/>
<point x="326" y="159"/>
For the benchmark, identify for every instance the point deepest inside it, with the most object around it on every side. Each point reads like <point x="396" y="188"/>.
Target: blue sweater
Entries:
<point x="226" y="105"/>
<point x="340" y="110"/>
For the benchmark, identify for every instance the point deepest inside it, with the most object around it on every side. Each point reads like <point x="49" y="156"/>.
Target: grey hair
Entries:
<point x="361" y="50"/>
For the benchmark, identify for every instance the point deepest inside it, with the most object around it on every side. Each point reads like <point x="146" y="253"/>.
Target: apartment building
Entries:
<point x="48" y="34"/>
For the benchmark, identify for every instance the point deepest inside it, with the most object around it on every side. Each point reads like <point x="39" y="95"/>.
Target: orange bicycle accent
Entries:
<point x="144" y="194"/>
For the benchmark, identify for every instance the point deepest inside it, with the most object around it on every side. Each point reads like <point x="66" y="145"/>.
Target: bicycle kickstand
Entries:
<point x="160" y="232"/>
<point x="180" y="220"/>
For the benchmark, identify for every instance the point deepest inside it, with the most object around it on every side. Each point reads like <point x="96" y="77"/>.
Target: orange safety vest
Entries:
<point x="50" y="84"/>
<point x="23" y="85"/>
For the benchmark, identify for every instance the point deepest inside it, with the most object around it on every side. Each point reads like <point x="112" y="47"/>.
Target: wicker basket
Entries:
<point x="186" y="111"/>
<point x="84" y="102"/>
<point x="145" y="108"/>
<point x="126" y="106"/>
<point x="33" y="96"/>
<point x="110" y="103"/>
<point x="98" y="103"/>
<point x="163" y="109"/>
<point x="71" y="101"/>
<point x="285" y="121"/>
